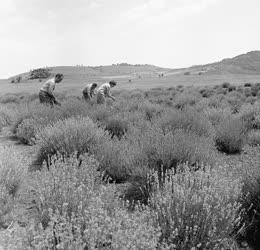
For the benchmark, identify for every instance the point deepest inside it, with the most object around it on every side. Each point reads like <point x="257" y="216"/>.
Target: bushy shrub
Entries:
<point x="150" y="110"/>
<point x="12" y="177"/>
<point x="215" y="115"/>
<point x="131" y="157"/>
<point x="247" y="91"/>
<point x="226" y="85"/>
<point x="27" y="130"/>
<point x="196" y="210"/>
<point x="255" y="89"/>
<point x="39" y="73"/>
<point x="116" y="127"/>
<point x="184" y="100"/>
<point x="79" y="135"/>
<point x="250" y="115"/>
<point x="8" y="98"/>
<point x="222" y="91"/>
<point x="254" y="138"/>
<point x="100" y="114"/>
<point x="251" y="99"/>
<point x="32" y="111"/>
<point x="42" y="115"/>
<point x="231" y="88"/>
<point x="248" y="84"/>
<point x="188" y="120"/>
<point x="230" y="135"/>
<point x="217" y="101"/>
<point x="207" y="92"/>
<point x="76" y="211"/>
<point x="250" y="172"/>
<point x="7" y="115"/>
<point x="168" y="150"/>
<point x="121" y="159"/>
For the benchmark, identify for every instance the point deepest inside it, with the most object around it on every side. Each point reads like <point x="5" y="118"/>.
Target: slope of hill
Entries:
<point x="115" y="70"/>
<point x="242" y="64"/>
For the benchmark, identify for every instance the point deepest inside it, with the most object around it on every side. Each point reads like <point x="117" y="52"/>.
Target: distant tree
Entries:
<point x="187" y="73"/>
<point x="40" y="73"/>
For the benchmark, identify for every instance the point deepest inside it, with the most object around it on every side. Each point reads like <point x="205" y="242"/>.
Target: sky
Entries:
<point x="167" y="33"/>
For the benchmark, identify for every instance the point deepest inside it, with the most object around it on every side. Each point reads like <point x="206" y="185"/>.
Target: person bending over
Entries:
<point x="105" y="91"/>
<point x="89" y="91"/>
<point x="46" y="92"/>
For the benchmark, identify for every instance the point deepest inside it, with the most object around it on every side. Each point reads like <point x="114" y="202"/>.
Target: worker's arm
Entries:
<point x="110" y="96"/>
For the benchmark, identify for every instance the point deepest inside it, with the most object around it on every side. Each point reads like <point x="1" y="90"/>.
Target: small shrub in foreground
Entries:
<point x="12" y="177"/>
<point x="230" y="135"/>
<point x="250" y="115"/>
<point x="250" y="173"/>
<point x="121" y="159"/>
<point x="76" y="211"/>
<point x="196" y="210"/>
<point x="27" y="130"/>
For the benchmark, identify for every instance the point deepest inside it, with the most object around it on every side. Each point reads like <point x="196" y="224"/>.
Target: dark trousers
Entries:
<point x="47" y="98"/>
<point x="86" y="96"/>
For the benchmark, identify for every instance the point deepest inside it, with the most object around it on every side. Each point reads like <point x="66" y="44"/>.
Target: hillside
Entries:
<point x="242" y="64"/>
<point x="248" y="63"/>
<point x="122" y="70"/>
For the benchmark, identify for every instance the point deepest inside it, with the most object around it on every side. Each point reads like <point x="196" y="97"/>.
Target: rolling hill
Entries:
<point x="122" y="70"/>
<point x="248" y="63"/>
<point x="242" y="64"/>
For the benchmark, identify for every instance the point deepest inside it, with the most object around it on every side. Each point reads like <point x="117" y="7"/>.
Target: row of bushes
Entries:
<point x="220" y="125"/>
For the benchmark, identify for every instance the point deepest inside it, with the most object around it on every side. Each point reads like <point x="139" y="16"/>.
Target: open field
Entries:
<point x="162" y="168"/>
<point x="74" y="83"/>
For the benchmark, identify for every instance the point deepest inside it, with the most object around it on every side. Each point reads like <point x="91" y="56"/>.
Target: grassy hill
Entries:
<point x="243" y="64"/>
<point x="248" y="63"/>
<point x="122" y="70"/>
<point x="237" y="70"/>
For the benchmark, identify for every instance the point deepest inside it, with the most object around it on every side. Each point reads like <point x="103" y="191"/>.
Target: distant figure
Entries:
<point x="88" y="91"/>
<point x="46" y="92"/>
<point x="104" y="91"/>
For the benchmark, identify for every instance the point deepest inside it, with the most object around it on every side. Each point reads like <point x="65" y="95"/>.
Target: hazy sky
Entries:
<point x="169" y="33"/>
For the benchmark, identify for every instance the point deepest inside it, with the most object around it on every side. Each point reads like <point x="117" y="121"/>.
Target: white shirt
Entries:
<point x="49" y="86"/>
<point x="104" y="90"/>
